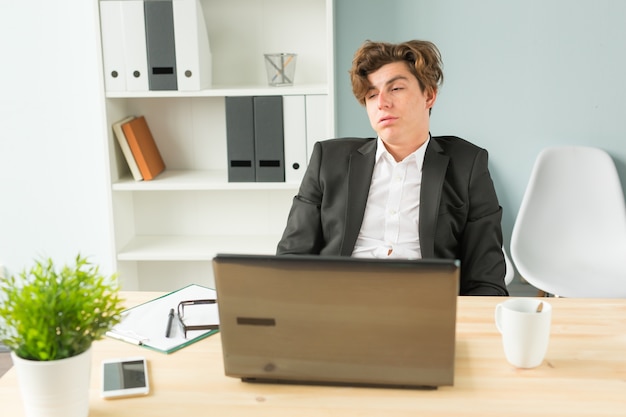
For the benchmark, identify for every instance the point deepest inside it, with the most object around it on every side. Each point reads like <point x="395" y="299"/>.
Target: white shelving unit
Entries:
<point x="167" y="230"/>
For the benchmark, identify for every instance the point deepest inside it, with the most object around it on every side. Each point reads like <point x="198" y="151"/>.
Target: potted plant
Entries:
<point x="49" y="318"/>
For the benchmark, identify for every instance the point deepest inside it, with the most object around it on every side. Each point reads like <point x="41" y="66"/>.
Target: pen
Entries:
<point x="124" y="338"/>
<point x="170" y="317"/>
<point x="282" y="71"/>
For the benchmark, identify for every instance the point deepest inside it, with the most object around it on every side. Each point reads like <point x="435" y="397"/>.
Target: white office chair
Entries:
<point x="569" y="238"/>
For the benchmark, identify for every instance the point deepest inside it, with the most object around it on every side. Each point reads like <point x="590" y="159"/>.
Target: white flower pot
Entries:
<point x="55" y="388"/>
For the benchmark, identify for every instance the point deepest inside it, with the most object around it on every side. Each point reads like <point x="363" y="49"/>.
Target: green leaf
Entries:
<point x="48" y="313"/>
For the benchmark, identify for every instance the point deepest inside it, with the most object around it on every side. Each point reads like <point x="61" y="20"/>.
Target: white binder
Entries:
<point x="113" y="45"/>
<point x="135" y="55"/>
<point x="316" y="121"/>
<point x="294" y="122"/>
<point x="193" y="52"/>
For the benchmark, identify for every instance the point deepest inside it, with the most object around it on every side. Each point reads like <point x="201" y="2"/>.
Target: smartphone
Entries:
<point x="124" y="377"/>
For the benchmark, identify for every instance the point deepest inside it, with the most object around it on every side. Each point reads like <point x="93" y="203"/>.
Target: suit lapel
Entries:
<point x="433" y="174"/>
<point x="359" y="178"/>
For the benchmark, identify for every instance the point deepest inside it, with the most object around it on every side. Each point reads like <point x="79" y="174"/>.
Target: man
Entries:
<point x="404" y="194"/>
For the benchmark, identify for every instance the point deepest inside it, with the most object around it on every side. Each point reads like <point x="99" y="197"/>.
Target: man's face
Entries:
<point x="397" y="108"/>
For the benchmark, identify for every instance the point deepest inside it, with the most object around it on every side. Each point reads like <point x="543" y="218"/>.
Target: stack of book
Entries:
<point x="139" y="148"/>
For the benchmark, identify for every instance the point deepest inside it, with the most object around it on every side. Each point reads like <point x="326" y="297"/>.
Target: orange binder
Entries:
<point x="144" y="148"/>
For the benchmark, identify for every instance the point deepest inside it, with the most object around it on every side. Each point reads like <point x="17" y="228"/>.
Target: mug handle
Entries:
<point x="498" y="317"/>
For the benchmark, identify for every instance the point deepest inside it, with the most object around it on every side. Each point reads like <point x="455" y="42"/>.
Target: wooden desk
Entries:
<point x="584" y="374"/>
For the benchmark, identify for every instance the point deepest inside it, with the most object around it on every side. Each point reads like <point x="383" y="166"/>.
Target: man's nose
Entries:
<point x="384" y="100"/>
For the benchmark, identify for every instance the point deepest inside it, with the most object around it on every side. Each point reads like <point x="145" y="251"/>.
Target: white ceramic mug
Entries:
<point x="525" y="332"/>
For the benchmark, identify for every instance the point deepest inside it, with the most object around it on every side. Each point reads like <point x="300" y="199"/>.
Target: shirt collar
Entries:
<point x="418" y="154"/>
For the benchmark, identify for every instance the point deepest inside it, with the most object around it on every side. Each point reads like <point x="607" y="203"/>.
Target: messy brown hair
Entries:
<point x="422" y="57"/>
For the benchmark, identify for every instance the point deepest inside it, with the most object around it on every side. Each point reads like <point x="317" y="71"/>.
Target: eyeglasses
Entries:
<point x="195" y="326"/>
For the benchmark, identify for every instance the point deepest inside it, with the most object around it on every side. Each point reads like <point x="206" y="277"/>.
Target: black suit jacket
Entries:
<point x="459" y="210"/>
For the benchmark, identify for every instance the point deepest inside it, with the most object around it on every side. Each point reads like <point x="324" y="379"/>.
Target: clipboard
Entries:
<point x="146" y="324"/>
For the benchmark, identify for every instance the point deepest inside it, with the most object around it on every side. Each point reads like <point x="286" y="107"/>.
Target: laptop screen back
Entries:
<point x="337" y="320"/>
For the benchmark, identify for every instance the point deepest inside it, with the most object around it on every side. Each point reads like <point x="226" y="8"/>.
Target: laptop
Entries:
<point x="305" y="319"/>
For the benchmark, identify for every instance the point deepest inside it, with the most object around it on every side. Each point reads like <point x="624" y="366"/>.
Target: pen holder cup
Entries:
<point x="281" y="68"/>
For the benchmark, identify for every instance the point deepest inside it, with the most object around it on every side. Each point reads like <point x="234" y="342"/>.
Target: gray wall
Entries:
<point x="520" y="75"/>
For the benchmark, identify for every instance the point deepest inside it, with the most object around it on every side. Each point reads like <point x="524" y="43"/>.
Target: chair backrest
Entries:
<point x="569" y="237"/>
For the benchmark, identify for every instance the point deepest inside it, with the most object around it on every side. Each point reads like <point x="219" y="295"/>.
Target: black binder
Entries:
<point x="269" y="139"/>
<point x="240" y="139"/>
<point x="160" y="44"/>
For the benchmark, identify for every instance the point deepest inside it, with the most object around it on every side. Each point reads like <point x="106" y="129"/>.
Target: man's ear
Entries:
<point x="431" y="97"/>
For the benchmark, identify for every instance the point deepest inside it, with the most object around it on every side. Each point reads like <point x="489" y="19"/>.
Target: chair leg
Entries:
<point x="540" y="293"/>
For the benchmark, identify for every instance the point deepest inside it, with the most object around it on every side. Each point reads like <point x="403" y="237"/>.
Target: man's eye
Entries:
<point x="371" y="96"/>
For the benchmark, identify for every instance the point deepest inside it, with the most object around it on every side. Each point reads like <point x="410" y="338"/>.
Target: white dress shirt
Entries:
<point x="390" y="227"/>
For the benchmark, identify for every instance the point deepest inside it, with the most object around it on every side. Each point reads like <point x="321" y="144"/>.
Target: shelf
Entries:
<point x="210" y="180"/>
<point x="194" y="248"/>
<point x="227" y="91"/>
<point x="166" y="231"/>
